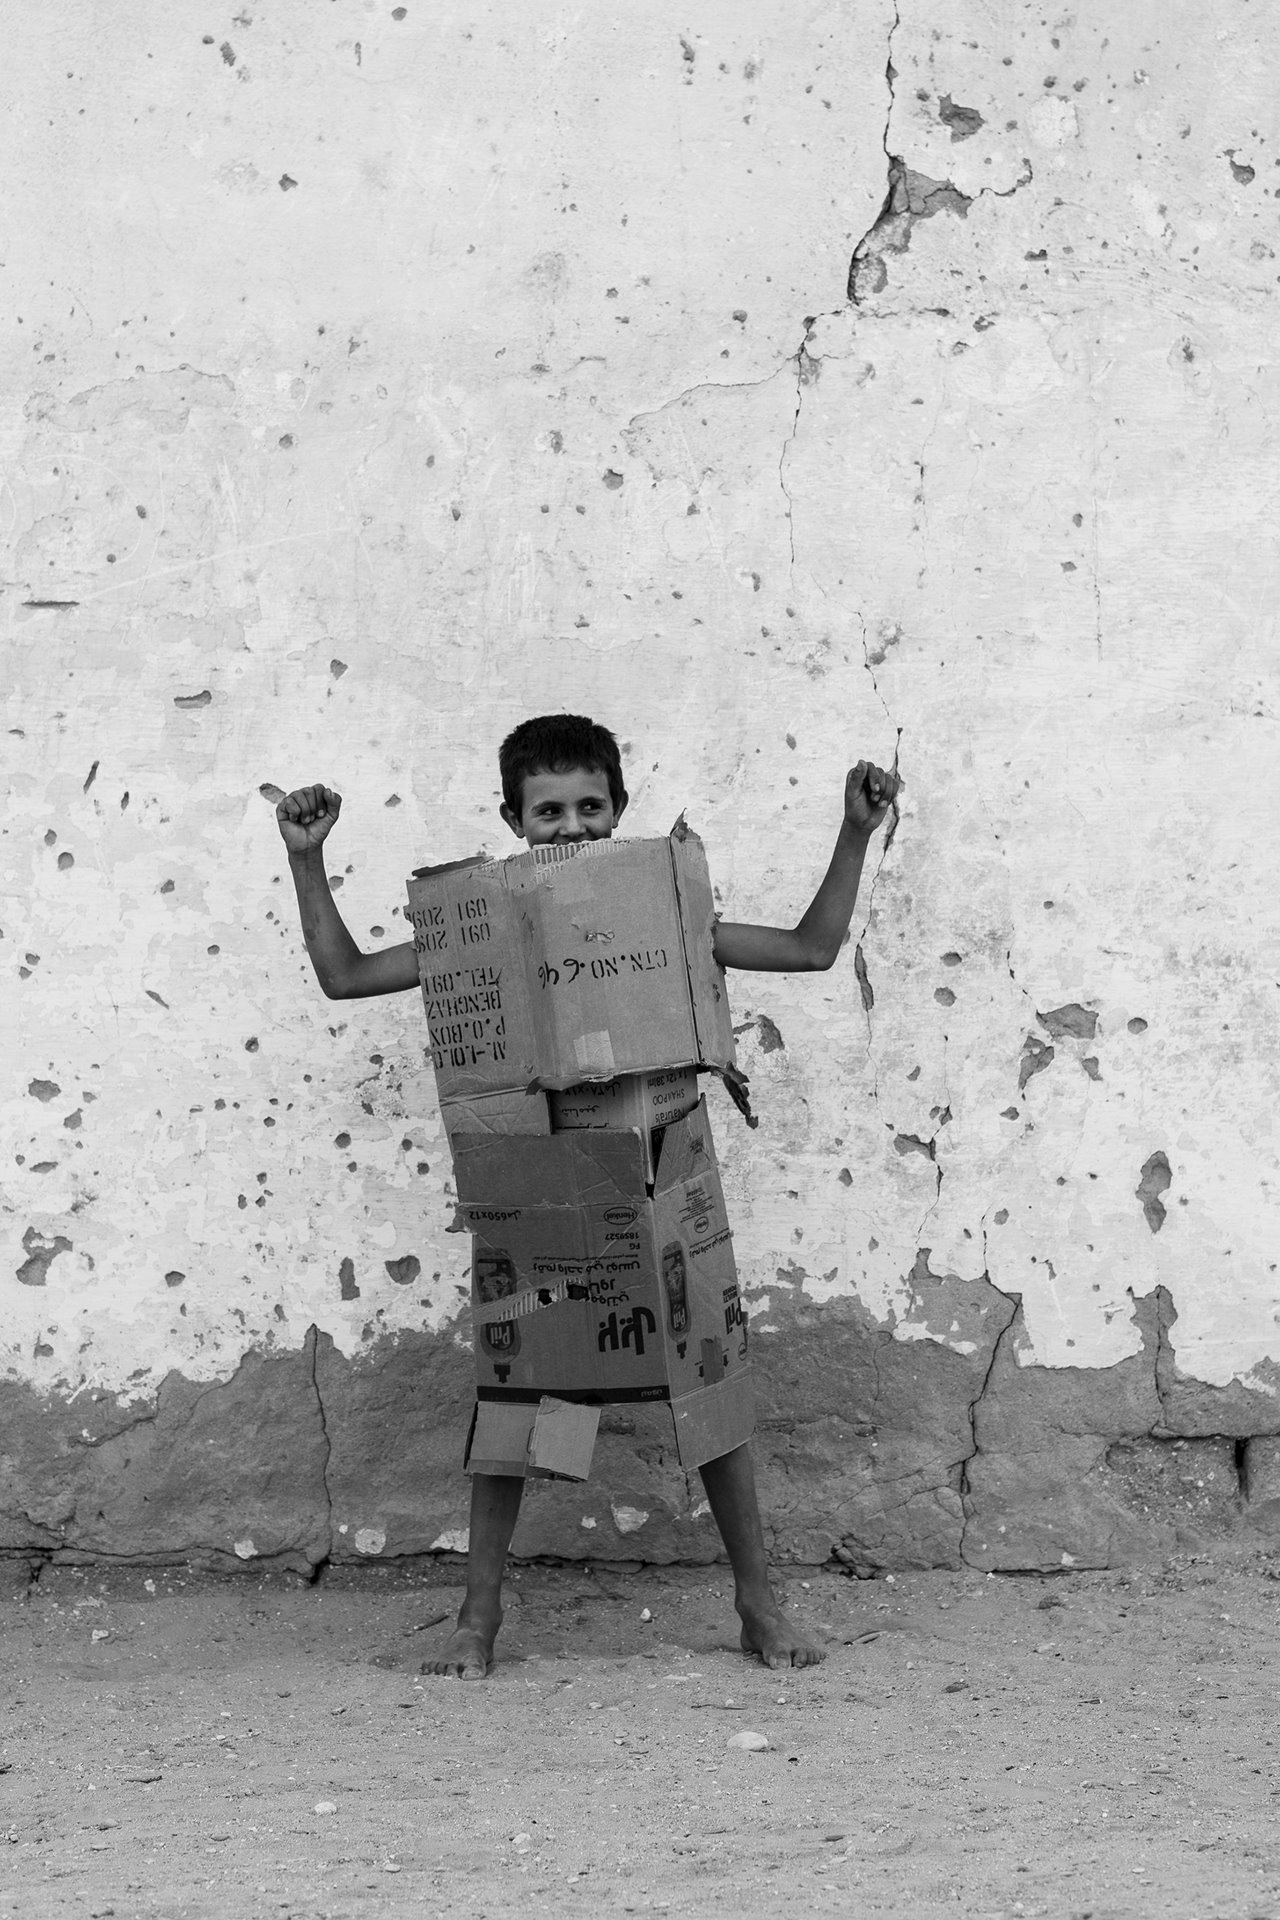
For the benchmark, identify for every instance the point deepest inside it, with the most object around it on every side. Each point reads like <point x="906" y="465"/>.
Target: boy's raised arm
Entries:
<point x="305" y="818"/>
<point x="814" y="942"/>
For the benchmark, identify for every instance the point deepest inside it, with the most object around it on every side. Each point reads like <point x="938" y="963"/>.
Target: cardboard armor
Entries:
<point x="571" y="992"/>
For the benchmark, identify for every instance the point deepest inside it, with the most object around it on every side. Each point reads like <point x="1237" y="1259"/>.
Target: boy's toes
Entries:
<point x="779" y="1642"/>
<point x="466" y="1655"/>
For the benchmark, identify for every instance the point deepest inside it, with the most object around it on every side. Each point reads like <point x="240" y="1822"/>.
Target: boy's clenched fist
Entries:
<point x="306" y="815"/>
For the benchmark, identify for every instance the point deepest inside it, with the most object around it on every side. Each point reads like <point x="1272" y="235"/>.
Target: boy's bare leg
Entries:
<point x="730" y="1482"/>
<point x="495" y="1507"/>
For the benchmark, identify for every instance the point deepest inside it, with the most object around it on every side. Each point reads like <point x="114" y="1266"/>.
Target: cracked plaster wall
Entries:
<point x="778" y="389"/>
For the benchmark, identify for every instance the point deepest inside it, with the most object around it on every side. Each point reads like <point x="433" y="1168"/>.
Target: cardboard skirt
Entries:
<point x="589" y="1288"/>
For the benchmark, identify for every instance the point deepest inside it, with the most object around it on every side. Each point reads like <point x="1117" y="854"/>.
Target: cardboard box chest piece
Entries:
<point x="569" y="964"/>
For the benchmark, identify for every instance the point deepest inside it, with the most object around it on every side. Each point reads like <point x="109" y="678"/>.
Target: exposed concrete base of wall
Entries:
<point x="873" y="1452"/>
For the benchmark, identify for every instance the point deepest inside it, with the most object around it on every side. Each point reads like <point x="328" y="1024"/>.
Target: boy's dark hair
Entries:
<point x="556" y="743"/>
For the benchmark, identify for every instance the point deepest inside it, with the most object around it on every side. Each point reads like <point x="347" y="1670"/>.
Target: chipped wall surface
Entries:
<point x="778" y="388"/>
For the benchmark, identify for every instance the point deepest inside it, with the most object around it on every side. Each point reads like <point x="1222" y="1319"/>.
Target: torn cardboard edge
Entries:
<point x="738" y="1088"/>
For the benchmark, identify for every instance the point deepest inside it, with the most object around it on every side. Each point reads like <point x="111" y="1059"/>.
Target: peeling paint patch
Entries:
<point x="34" y="1270"/>
<point x="911" y="197"/>
<point x="1074" y="1022"/>
<point x="1036" y="1056"/>
<point x="1156" y="1179"/>
<point x="864" y="984"/>
<point x="964" y="122"/>
<point x="771" y="1040"/>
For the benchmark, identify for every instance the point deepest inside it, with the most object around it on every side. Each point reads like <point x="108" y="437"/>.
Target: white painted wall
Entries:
<point x="373" y="382"/>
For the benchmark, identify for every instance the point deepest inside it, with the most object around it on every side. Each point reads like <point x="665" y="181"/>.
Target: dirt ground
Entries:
<point x="1083" y="1745"/>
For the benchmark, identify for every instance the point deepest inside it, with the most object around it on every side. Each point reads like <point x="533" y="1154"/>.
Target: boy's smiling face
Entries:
<point x="574" y="805"/>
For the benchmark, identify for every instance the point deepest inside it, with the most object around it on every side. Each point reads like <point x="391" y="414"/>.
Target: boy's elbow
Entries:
<point x="335" y="986"/>
<point x="814" y="957"/>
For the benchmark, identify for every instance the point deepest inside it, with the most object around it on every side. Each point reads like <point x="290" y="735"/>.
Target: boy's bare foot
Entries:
<point x="467" y="1654"/>
<point x="777" y="1641"/>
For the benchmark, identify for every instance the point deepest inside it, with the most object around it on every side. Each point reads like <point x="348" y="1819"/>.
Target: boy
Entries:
<point x="562" y="782"/>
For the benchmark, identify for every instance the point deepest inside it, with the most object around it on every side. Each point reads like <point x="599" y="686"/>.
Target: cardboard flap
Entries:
<point x="687" y="1150"/>
<point x="481" y="859"/>
<point x="498" y="1442"/>
<point x="573" y="1170"/>
<point x="713" y="1421"/>
<point x="613" y="990"/>
<point x="551" y="1440"/>
<point x="475" y="986"/>
<point x="563" y="1439"/>
<point x="496" y="1113"/>
<point x="712" y="1017"/>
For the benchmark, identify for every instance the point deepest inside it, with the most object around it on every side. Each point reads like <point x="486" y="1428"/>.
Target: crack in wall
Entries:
<point x="311" y="1347"/>
<point x="1014" y="1301"/>
<point x="637" y="420"/>
<point x="909" y="198"/>
<point x="807" y="369"/>
<point x="1165" y="1432"/>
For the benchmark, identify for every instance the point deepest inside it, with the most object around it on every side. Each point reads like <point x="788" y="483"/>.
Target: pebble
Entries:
<point x="749" y="1742"/>
<point x="522" y="1842"/>
<point x="326" y="1806"/>
<point x="645" y="1614"/>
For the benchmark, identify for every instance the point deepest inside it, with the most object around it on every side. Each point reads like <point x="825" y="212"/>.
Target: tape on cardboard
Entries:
<point x="572" y="876"/>
<point x="594" y="1054"/>
<point x="518" y="1306"/>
